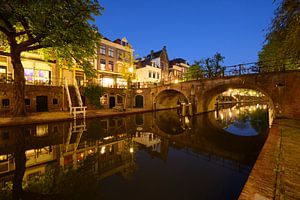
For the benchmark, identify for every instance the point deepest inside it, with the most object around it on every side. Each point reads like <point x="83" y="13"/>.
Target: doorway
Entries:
<point x="41" y="103"/>
<point x="139" y="101"/>
<point x="112" y="102"/>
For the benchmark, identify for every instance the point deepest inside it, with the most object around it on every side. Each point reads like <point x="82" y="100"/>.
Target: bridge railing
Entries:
<point x="241" y="69"/>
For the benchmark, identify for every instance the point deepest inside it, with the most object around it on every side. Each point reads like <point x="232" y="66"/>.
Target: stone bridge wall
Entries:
<point x="282" y="89"/>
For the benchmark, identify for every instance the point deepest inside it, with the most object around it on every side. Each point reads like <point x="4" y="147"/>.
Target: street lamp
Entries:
<point x="130" y="69"/>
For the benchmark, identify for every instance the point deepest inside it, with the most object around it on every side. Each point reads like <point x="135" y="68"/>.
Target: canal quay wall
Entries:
<point x="46" y="117"/>
<point x="276" y="173"/>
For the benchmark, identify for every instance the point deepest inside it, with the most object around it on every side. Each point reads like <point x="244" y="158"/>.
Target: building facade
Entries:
<point x="153" y="68"/>
<point x="178" y="67"/>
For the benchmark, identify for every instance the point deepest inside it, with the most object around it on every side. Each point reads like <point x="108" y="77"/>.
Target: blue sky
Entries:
<point x="191" y="29"/>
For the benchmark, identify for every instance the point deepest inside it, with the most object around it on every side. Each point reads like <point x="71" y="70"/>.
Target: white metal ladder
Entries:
<point x="75" y="110"/>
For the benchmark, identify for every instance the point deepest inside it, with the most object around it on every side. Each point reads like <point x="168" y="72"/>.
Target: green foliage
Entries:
<point x="194" y="72"/>
<point x="127" y="66"/>
<point x="93" y="93"/>
<point x="282" y="45"/>
<point x="63" y="27"/>
<point x="206" y="67"/>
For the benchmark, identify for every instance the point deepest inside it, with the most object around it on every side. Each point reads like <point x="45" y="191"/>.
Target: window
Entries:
<point x="119" y="99"/>
<point x="111" y="66"/>
<point x="110" y="52"/>
<point x="120" y="55"/>
<point x="5" y="103"/>
<point x="27" y="102"/>
<point x="150" y="74"/>
<point x="102" y="50"/>
<point x="55" y="101"/>
<point x="5" y="135"/>
<point x="157" y="75"/>
<point x="103" y="99"/>
<point x="102" y="64"/>
<point x="153" y="75"/>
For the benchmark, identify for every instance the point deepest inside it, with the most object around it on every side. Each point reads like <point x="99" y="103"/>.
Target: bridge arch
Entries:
<point x="209" y="97"/>
<point x="169" y="98"/>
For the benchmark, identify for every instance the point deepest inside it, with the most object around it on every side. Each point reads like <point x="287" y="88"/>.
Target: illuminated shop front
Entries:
<point x="37" y="72"/>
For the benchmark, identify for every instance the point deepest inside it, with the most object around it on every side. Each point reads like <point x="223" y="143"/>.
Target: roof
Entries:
<point x="178" y="60"/>
<point x="147" y="59"/>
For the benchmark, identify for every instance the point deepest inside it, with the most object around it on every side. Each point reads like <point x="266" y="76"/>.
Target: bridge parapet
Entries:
<point x="281" y="88"/>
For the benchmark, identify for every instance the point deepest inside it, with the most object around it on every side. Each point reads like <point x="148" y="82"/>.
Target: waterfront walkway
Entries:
<point x="44" y="117"/>
<point x="276" y="173"/>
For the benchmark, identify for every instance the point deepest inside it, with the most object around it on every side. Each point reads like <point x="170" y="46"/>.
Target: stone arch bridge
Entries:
<point x="282" y="89"/>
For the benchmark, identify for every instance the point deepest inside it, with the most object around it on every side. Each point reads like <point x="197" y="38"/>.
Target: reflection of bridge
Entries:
<point x="279" y="88"/>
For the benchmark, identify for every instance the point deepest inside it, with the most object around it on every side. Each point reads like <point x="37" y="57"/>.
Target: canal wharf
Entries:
<point x="45" y="117"/>
<point x="276" y="173"/>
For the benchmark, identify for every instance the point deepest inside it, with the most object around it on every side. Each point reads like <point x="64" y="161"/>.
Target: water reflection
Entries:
<point x="244" y="120"/>
<point x="98" y="157"/>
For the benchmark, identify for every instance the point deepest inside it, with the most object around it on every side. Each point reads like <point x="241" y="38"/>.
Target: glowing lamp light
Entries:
<point x="130" y="69"/>
<point x="102" y="150"/>
<point x="186" y="120"/>
<point x="176" y="81"/>
<point x="131" y="149"/>
<point x="222" y="116"/>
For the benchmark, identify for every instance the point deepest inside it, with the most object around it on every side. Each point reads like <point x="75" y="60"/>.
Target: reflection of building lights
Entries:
<point x="230" y="114"/>
<point x="90" y="151"/>
<point x="186" y="120"/>
<point x="176" y="81"/>
<point x="81" y="155"/>
<point x="222" y="116"/>
<point x="102" y="150"/>
<point x="216" y="114"/>
<point x="107" y="138"/>
<point x="265" y="106"/>
<point x="131" y="149"/>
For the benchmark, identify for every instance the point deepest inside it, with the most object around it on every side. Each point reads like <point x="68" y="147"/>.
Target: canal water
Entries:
<point x="157" y="155"/>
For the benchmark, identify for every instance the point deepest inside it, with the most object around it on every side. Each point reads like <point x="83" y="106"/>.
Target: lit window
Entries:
<point x="102" y="50"/>
<point x="103" y="99"/>
<point x="107" y="82"/>
<point x="110" y="52"/>
<point x="102" y="64"/>
<point x="157" y="75"/>
<point x="111" y="66"/>
<point x="150" y="74"/>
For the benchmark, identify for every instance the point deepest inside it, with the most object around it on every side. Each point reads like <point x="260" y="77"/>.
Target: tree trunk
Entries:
<point x="18" y="102"/>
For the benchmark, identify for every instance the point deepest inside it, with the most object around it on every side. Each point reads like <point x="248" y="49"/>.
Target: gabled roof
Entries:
<point x="147" y="60"/>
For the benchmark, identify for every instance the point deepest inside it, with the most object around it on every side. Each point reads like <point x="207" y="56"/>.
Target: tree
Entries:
<point x="207" y="67"/>
<point x="62" y="29"/>
<point x="194" y="72"/>
<point x="127" y="70"/>
<point x="282" y="46"/>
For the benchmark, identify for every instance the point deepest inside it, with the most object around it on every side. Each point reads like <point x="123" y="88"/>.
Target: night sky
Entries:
<point x="191" y="29"/>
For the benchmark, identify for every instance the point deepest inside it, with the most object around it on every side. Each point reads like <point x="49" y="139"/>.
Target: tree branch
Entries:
<point x="31" y="48"/>
<point x="5" y="20"/>
<point x="5" y="31"/>
<point x="20" y="33"/>
<point x="27" y="43"/>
